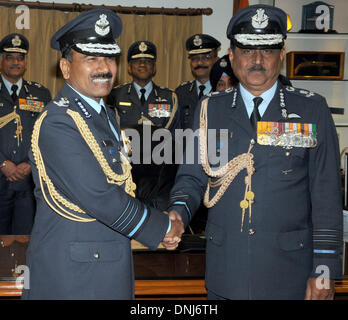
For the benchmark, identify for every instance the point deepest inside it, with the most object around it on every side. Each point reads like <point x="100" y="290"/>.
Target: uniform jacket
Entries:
<point x="296" y="222"/>
<point x="187" y="100"/>
<point x="153" y="181"/>
<point x="9" y="148"/>
<point x="85" y="260"/>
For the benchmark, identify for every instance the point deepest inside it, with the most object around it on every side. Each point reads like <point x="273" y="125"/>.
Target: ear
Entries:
<point x="129" y="68"/>
<point x="64" y="65"/>
<point x="282" y="54"/>
<point x="230" y="54"/>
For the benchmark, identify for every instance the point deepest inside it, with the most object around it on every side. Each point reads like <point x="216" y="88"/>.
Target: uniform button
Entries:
<point x="252" y="141"/>
<point x="114" y="160"/>
<point x="287" y="153"/>
<point x="251" y="232"/>
<point x="301" y="245"/>
<point x="210" y="238"/>
<point x="12" y="254"/>
<point x="15" y="137"/>
<point x="14" y="151"/>
<point x="96" y="255"/>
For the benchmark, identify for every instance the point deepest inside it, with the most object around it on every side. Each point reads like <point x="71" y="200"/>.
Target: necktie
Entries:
<point x="201" y="89"/>
<point x="106" y="118"/>
<point x="255" y="116"/>
<point x="14" y="92"/>
<point x="104" y="115"/>
<point x="142" y="98"/>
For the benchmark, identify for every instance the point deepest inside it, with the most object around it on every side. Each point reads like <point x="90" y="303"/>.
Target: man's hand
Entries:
<point x="173" y="237"/>
<point x="11" y="172"/>
<point x="320" y="289"/>
<point x="24" y="168"/>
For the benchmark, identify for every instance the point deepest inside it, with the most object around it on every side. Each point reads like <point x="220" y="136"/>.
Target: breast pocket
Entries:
<point x="287" y="164"/>
<point x="129" y="115"/>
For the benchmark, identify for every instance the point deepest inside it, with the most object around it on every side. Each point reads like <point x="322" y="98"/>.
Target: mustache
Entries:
<point x="107" y="75"/>
<point x="256" y="68"/>
<point x="200" y="67"/>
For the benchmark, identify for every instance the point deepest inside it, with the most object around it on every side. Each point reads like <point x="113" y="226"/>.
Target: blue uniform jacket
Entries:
<point x="9" y="148"/>
<point x="296" y="221"/>
<point x="85" y="260"/>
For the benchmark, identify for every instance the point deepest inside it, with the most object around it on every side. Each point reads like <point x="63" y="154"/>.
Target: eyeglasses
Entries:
<point x="138" y="62"/>
<point x="203" y="57"/>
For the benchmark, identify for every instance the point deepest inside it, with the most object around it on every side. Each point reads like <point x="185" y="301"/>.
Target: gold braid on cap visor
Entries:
<point x="111" y="176"/>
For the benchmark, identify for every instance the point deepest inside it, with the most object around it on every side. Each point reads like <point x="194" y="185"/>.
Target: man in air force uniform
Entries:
<point x="202" y="52"/>
<point x="80" y="246"/>
<point x="20" y="103"/>
<point x="275" y="216"/>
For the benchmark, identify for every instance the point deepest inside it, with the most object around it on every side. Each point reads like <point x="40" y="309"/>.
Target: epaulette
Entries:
<point x="164" y="88"/>
<point x="186" y="82"/>
<point x="220" y="93"/>
<point x="122" y="85"/>
<point x="301" y="92"/>
<point x="34" y="84"/>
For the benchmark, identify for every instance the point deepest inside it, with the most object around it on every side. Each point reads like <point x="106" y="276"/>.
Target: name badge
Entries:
<point x="126" y="104"/>
<point x="160" y="110"/>
<point x="30" y="105"/>
<point x="287" y="134"/>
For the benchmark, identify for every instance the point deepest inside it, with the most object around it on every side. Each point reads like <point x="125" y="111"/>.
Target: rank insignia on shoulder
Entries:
<point x="83" y="108"/>
<point x="125" y="104"/>
<point x="63" y="102"/>
<point x="160" y="110"/>
<point x="30" y="105"/>
<point x="287" y="134"/>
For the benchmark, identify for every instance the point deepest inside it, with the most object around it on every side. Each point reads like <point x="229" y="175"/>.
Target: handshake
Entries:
<point x="173" y="237"/>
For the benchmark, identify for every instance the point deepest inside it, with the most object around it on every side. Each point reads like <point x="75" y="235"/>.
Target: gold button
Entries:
<point x="96" y="255"/>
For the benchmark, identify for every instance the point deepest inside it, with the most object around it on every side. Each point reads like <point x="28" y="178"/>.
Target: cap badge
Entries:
<point x="260" y="19"/>
<point x="223" y="63"/>
<point x="197" y="41"/>
<point x="16" y="41"/>
<point x="102" y="26"/>
<point x="142" y="47"/>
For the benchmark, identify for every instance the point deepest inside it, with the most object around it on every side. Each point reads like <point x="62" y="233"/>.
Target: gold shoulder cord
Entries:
<point x="8" y="118"/>
<point x="228" y="172"/>
<point x="175" y="107"/>
<point x="111" y="176"/>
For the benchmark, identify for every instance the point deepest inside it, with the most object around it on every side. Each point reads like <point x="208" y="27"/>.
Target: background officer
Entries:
<point x="221" y="75"/>
<point x="202" y="53"/>
<point x="275" y="209"/>
<point x="142" y="103"/>
<point x="20" y="103"/>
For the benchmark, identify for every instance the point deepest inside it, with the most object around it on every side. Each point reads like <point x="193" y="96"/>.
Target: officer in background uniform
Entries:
<point x="20" y="103"/>
<point x="203" y="53"/>
<point x="221" y="75"/>
<point x="275" y="210"/>
<point x="80" y="247"/>
<point x="142" y="103"/>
